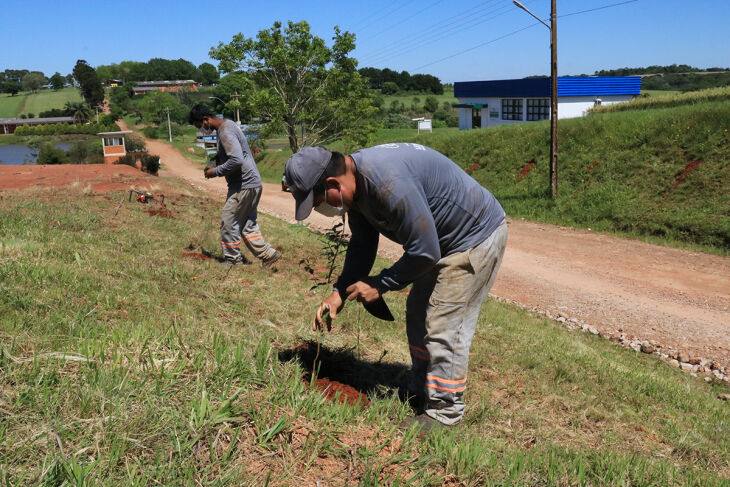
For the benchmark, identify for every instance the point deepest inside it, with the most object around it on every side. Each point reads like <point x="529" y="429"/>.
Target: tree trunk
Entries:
<point x="291" y="131"/>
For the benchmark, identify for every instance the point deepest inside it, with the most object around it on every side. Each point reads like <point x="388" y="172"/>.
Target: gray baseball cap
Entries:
<point x="303" y="170"/>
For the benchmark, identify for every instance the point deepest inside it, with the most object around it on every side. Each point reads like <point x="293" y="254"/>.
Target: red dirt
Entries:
<point x="685" y="172"/>
<point x="526" y="170"/>
<point x="163" y="212"/>
<point x="593" y="166"/>
<point x="102" y="178"/>
<point x="195" y="255"/>
<point x="348" y="394"/>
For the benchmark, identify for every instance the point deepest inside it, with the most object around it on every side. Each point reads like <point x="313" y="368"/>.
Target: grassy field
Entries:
<point x="127" y="358"/>
<point x="35" y="103"/>
<point x="407" y="99"/>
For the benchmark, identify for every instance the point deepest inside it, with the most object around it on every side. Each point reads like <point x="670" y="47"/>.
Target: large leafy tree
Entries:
<point x="298" y="81"/>
<point x="57" y="81"/>
<point x="89" y="83"/>
<point x="33" y="80"/>
<point x="208" y="74"/>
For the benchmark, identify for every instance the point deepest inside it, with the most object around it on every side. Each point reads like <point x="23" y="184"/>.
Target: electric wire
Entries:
<point x="426" y="31"/>
<point x="517" y="31"/>
<point x="417" y="42"/>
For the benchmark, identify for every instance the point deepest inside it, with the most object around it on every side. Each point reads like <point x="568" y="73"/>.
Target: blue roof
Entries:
<point x="540" y="87"/>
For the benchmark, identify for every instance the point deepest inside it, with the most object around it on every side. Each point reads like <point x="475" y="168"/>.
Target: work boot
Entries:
<point x="423" y="423"/>
<point x="266" y="263"/>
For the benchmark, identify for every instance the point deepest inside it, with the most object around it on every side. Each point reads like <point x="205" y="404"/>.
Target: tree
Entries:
<point x="57" y="81"/>
<point x="80" y="111"/>
<point x="431" y="104"/>
<point x="33" y="81"/>
<point x="11" y="86"/>
<point x="300" y="82"/>
<point x="89" y="83"/>
<point x="208" y="74"/>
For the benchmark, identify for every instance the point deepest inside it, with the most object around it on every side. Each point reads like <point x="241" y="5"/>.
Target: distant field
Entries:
<point x="407" y="100"/>
<point x="27" y="102"/>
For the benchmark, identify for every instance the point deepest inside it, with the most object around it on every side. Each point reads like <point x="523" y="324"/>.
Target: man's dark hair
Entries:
<point x="198" y="112"/>
<point x="335" y="167"/>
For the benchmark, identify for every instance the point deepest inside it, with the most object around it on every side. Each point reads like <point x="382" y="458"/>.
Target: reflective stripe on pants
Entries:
<point x="238" y="222"/>
<point x="441" y="317"/>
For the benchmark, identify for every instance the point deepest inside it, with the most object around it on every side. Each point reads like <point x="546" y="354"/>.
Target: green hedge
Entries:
<point x="65" y="128"/>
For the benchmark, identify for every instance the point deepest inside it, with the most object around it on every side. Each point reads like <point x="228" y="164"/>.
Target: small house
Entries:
<point x="501" y="102"/>
<point x="114" y="146"/>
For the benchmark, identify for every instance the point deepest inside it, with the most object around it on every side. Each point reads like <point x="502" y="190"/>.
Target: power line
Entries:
<point x="402" y="5"/>
<point x="417" y="41"/>
<point x="520" y="30"/>
<point x="399" y="23"/>
<point x="428" y="29"/>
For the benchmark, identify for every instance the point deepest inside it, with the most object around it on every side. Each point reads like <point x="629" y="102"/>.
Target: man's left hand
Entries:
<point x="208" y="173"/>
<point x="362" y="292"/>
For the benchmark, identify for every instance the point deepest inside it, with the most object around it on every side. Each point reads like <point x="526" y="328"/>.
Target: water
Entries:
<point x="15" y="154"/>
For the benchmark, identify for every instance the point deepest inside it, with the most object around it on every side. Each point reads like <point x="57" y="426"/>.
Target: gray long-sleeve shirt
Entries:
<point x="421" y="199"/>
<point x="235" y="159"/>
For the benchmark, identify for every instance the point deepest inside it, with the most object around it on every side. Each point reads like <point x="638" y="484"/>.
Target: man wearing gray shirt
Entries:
<point x="239" y="215"/>
<point x="453" y="232"/>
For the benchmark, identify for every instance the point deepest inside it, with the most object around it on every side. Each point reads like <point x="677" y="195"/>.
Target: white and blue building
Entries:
<point x="501" y="102"/>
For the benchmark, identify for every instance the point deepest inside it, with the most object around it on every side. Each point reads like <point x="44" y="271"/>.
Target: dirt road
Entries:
<point x="673" y="298"/>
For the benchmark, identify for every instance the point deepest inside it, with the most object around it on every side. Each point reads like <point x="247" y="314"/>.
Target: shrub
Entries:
<point x="398" y="121"/>
<point x="175" y="129"/>
<point x="134" y="142"/>
<point x="389" y="88"/>
<point x="431" y="104"/>
<point x="150" y="132"/>
<point x="128" y="160"/>
<point x="151" y="163"/>
<point x="51" y="155"/>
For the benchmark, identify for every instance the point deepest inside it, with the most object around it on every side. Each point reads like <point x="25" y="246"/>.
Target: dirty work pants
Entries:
<point x="238" y="222"/>
<point x="441" y="317"/>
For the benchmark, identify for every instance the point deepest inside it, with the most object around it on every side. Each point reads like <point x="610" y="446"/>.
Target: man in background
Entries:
<point x="235" y="161"/>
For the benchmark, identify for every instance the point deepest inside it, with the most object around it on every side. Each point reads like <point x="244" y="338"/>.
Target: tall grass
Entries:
<point x="674" y="100"/>
<point x="125" y="359"/>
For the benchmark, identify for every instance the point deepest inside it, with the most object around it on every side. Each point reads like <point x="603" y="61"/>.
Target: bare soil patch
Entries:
<point x="102" y="178"/>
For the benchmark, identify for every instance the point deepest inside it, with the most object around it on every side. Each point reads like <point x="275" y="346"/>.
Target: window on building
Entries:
<point x="538" y="109"/>
<point x="113" y="141"/>
<point x="476" y="118"/>
<point x="512" y="109"/>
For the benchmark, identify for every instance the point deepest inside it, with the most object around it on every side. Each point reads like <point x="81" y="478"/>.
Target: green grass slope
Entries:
<point x="35" y="103"/>
<point x="661" y="172"/>
<point x="127" y="358"/>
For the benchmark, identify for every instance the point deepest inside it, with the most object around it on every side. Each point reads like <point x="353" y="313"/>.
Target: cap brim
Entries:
<point x="304" y="205"/>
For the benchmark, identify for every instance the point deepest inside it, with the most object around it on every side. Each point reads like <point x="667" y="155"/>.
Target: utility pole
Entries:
<point x="553" y="100"/>
<point x="169" y="128"/>
<point x="238" y="118"/>
<point x="553" y="27"/>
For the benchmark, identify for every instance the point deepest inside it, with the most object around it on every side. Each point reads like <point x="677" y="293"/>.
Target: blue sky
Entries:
<point x="419" y="36"/>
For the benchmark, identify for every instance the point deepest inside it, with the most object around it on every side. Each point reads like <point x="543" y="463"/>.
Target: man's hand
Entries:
<point x="330" y="306"/>
<point x="208" y="173"/>
<point x="363" y="292"/>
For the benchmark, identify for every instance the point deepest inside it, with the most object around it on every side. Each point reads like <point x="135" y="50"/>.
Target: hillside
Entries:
<point x="130" y="358"/>
<point x="27" y="103"/>
<point x="653" y="173"/>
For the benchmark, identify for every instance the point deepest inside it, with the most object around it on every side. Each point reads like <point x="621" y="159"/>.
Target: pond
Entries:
<point x="15" y="154"/>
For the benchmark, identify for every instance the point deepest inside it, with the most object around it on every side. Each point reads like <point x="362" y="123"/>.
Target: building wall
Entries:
<point x="568" y="107"/>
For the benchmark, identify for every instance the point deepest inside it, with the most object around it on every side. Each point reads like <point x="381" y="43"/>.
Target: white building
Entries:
<point x="490" y="103"/>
